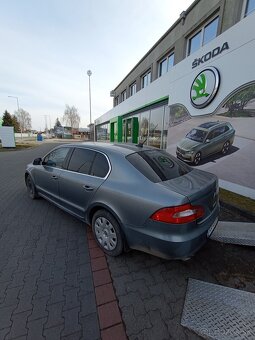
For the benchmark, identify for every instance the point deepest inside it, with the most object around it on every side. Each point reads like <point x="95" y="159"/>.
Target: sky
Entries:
<point x="47" y="47"/>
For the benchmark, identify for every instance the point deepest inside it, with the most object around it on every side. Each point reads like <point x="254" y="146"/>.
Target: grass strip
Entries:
<point x="21" y="146"/>
<point x="235" y="200"/>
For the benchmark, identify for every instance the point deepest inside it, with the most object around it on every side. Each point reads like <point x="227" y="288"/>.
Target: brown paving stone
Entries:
<point x="114" y="333"/>
<point x="104" y="294"/>
<point x="109" y="315"/>
<point x="96" y="252"/>
<point x="98" y="263"/>
<point x="90" y="235"/>
<point x="92" y="244"/>
<point x="101" y="277"/>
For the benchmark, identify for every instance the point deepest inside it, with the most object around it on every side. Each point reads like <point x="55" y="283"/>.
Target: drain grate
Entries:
<point x="235" y="232"/>
<point x="218" y="312"/>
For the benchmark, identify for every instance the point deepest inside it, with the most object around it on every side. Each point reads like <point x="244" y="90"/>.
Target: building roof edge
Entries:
<point x="160" y="39"/>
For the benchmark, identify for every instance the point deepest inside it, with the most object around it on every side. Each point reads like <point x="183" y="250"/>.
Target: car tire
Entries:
<point x="31" y="189"/>
<point x="107" y="233"/>
<point x="225" y="148"/>
<point x="197" y="158"/>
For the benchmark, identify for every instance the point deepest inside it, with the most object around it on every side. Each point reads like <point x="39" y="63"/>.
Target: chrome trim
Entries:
<point x="75" y="172"/>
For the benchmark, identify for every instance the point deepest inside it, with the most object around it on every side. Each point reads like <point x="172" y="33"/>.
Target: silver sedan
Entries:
<point x="133" y="196"/>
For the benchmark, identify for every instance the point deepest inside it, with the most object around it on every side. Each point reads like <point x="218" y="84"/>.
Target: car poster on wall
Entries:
<point x="222" y="143"/>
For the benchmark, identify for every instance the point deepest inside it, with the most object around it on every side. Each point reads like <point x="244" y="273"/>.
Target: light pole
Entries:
<point x="89" y="73"/>
<point x="18" y="111"/>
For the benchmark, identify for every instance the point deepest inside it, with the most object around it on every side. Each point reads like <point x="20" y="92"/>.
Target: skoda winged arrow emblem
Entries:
<point x="199" y="87"/>
<point x="204" y="87"/>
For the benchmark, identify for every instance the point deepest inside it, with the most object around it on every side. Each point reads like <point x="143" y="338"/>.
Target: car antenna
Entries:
<point x="140" y="144"/>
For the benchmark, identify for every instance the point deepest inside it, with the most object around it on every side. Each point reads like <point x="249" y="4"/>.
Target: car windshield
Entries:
<point x="197" y="135"/>
<point x="158" y="165"/>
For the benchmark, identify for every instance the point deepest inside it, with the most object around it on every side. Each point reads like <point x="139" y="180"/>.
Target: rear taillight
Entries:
<point x="178" y="215"/>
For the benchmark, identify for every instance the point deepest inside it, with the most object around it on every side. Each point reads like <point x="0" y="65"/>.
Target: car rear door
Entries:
<point x="218" y="140"/>
<point x="86" y="171"/>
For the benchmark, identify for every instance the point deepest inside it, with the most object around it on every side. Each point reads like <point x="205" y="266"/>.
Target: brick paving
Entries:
<point x="46" y="280"/>
<point x="151" y="291"/>
<point x="110" y="320"/>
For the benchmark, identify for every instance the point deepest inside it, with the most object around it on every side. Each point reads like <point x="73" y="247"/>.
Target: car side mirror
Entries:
<point x="37" y="161"/>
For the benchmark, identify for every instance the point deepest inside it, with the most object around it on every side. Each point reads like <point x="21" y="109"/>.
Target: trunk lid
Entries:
<point x="200" y="188"/>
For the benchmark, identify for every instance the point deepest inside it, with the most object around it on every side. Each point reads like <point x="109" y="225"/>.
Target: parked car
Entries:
<point x="132" y="195"/>
<point x="207" y="139"/>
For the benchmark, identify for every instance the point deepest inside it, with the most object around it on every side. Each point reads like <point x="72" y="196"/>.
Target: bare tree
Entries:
<point x="24" y="120"/>
<point x="71" y="117"/>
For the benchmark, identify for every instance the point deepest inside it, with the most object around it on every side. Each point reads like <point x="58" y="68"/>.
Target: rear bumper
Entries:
<point x="171" y="241"/>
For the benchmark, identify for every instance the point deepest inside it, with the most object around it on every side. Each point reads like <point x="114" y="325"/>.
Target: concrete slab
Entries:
<point x="241" y="233"/>
<point x="218" y="312"/>
<point x="238" y="189"/>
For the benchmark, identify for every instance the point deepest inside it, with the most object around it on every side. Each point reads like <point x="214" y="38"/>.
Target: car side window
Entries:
<point x="56" y="158"/>
<point x="81" y="160"/>
<point x="216" y="132"/>
<point x="210" y="135"/>
<point x="219" y="131"/>
<point x="100" y="166"/>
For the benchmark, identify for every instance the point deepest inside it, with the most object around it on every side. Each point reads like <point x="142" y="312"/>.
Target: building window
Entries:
<point x="132" y="89"/>
<point x="156" y="126"/>
<point x="202" y="37"/>
<point x="116" y="100"/>
<point x="123" y="96"/>
<point x="250" y="7"/>
<point x="144" y="126"/>
<point x="210" y="31"/>
<point x="166" y="64"/>
<point x="103" y="132"/>
<point x="146" y="79"/>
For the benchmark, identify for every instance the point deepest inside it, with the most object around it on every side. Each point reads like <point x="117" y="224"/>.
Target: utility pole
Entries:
<point x="46" y="125"/>
<point x="50" y="121"/>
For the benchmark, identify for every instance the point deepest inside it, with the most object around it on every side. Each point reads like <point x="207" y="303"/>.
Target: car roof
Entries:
<point x="210" y="125"/>
<point x="117" y="148"/>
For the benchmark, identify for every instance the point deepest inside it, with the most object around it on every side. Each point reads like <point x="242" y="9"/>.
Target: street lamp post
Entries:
<point x="89" y="73"/>
<point x="18" y="111"/>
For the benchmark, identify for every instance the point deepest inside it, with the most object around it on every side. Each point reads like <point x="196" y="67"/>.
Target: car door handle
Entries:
<point x="88" y="187"/>
<point x="54" y="177"/>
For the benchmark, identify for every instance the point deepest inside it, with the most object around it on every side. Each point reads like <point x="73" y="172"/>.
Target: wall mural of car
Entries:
<point x="132" y="195"/>
<point x="206" y="139"/>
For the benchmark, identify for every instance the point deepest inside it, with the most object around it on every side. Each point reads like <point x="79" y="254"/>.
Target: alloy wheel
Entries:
<point x="197" y="158"/>
<point x="105" y="233"/>
<point x="225" y="147"/>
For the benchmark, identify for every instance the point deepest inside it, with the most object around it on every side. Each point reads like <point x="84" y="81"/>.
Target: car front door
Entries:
<point x="87" y="170"/>
<point x="48" y="173"/>
<point x="208" y="148"/>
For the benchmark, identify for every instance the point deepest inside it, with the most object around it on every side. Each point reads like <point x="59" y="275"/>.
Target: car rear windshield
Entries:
<point x="158" y="165"/>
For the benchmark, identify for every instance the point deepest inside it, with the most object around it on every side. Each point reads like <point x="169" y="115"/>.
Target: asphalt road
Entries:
<point x="46" y="286"/>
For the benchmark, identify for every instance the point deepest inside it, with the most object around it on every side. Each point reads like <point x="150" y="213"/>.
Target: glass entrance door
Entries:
<point x="130" y="130"/>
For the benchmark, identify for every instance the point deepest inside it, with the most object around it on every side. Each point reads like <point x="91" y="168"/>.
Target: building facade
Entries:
<point x="202" y="66"/>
